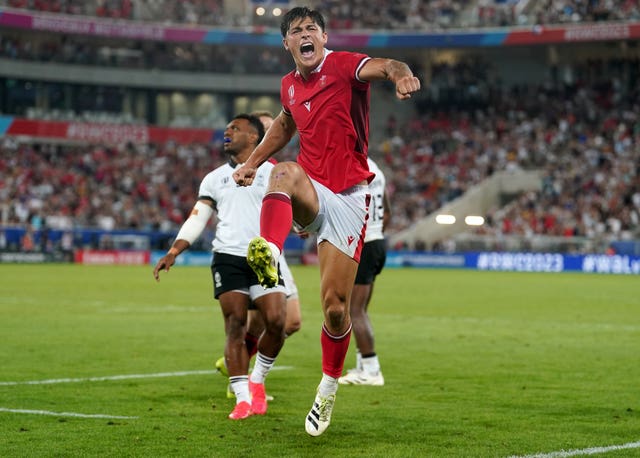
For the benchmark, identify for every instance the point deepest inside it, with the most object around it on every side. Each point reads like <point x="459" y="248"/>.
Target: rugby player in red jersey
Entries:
<point x="326" y="100"/>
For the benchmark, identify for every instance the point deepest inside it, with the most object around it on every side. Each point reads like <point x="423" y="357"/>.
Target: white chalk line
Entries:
<point x="121" y="377"/>
<point x="67" y="414"/>
<point x="101" y="379"/>
<point x="584" y="451"/>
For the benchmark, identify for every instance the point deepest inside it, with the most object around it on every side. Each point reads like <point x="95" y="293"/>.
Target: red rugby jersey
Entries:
<point x="331" y="112"/>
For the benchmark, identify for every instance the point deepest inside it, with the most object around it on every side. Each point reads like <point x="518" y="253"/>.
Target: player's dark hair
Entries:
<point x="300" y="12"/>
<point x="255" y="122"/>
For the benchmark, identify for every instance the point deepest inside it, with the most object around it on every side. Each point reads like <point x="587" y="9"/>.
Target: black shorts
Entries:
<point x="374" y="255"/>
<point x="233" y="273"/>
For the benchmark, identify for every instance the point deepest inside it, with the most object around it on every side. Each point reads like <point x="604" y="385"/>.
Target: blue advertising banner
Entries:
<point x="519" y="262"/>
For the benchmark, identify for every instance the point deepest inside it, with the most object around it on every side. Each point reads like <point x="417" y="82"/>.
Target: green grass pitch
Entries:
<point x="477" y="364"/>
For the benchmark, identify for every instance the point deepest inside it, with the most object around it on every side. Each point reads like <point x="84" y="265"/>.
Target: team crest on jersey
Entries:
<point x="292" y="93"/>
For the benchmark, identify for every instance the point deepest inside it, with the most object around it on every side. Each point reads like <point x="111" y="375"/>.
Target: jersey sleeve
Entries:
<point x="207" y="189"/>
<point x="349" y="64"/>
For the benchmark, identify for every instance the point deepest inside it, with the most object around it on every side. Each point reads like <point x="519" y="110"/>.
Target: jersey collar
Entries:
<point x="326" y="52"/>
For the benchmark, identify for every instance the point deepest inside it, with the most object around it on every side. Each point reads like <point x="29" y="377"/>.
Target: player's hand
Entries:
<point x="164" y="263"/>
<point x="244" y="175"/>
<point x="406" y="86"/>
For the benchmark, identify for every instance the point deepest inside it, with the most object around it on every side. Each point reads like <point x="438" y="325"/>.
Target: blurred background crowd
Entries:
<point x="358" y="14"/>
<point x="577" y="121"/>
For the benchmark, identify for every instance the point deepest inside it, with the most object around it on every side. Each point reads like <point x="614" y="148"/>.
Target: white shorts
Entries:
<point x="287" y="276"/>
<point x="342" y="218"/>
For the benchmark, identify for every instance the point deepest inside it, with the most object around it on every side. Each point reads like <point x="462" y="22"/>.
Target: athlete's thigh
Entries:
<point x="234" y="304"/>
<point x="304" y="199"/>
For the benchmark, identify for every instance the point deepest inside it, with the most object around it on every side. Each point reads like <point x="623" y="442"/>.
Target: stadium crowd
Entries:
<point x="585" y="133"/>
<point x="573" y="11"/>
<point x="358" y="14"/>
<point x="147" y="187"/>
<point x="192" y="57"/>
<point x="585" y="136"/>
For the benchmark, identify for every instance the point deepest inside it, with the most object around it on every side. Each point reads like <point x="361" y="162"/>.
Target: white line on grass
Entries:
<point x="67" y="414"/>
<point x="584" y="451"/>
<point x="121" y="377"/>
<point x="162" y="309"/>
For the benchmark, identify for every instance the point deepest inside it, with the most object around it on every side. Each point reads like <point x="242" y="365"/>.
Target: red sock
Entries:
<point x="334" y="351"/>
<point x="251" y="342"/>
<point x="276" y="218"/>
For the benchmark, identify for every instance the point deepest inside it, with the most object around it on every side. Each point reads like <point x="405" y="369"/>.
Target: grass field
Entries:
<point x="477" y="364"/>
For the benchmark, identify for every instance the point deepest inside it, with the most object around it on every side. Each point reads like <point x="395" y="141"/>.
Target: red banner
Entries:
<point x="105" y="133"/>
<point x="111" y="257"/>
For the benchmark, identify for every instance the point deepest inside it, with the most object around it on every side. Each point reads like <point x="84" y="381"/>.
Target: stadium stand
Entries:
<point x="583" y="135"/>
<point x="357" y="14"/>
<point x="569" y="111"/>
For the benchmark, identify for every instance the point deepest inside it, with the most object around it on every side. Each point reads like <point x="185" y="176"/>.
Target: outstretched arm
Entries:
<point x="276" y="138"/>
<point x="188" y="233"/>
<point x="397" y="72"/>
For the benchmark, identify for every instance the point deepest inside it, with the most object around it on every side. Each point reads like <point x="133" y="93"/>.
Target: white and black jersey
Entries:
<point x="376" y="206"/>
<point x="238" y="207"/>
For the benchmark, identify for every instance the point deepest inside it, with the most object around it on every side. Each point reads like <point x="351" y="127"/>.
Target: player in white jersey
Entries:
<point x="367" y="370"/>
<point x="255" y="324"/>
<point x="235" y="283"/>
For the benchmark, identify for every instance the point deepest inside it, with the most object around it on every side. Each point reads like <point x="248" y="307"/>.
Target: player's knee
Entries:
<point x="235" y="324"/>
<point x="292" y="326"/>
<point x="293" y="323"/>
<point x="235" y="331"/>
<point x="285" y="174"/>
<point x="336" y="315"/>
<point x="274" y="322"/>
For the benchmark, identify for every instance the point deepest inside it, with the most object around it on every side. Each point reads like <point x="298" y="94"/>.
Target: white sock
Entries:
<point x="328" y="385"/>
<point x="240" y="387"/>
<point x="261" y="368"/>
<point x="275" y="251"/>
<point x="371" y="365"/>
<point x="358" y="360"/>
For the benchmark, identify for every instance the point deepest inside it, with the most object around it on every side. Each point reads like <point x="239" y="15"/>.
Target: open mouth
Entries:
<point x="307" y="49"/>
